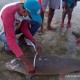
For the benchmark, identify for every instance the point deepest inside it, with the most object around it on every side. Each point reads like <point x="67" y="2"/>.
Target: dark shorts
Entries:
<point x="72" y="5"/>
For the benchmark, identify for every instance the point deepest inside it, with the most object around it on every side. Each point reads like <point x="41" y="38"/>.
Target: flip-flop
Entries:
<point x="62" y="25"/>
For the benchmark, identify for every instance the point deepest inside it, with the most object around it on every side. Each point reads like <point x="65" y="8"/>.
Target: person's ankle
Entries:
<point x="68" y="25"/>
<point x="49" y="27"/>
<point x="69" y="22"/>
<point x="62" y="24"/>
<point x="41" y="28"/>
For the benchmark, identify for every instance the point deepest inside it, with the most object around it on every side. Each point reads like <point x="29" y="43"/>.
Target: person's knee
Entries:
<point x="70" y="11"/>
<point x="64" y="11"/>
<point x="34" y="27"/>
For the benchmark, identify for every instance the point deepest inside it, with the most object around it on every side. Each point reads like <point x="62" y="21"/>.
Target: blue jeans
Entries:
<point x="33" y="30"/>
<point x="34" y="27"/>
<point x="3" y="39"/>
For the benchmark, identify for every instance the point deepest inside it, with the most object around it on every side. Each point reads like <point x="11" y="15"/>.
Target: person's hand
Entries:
<point x="28" y="65"/>
<point x="38" y="48"/>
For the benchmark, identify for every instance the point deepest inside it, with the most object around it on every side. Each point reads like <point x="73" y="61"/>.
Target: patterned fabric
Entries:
<point x="69" y="3"/>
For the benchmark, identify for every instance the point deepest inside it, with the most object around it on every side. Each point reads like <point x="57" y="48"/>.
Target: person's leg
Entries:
<point x="63" y="17"/>
<point x="34" y="27"/>
<point x="44" y="4"/>
<point x="69" y="18"/>
<point x="53" y="4"/>
<point x="42" y="10"/>
<point x="41" y="28"/>
<point x="20" y="38"/>
<point x="3" y="39"/>
<point x="50" y="16"/>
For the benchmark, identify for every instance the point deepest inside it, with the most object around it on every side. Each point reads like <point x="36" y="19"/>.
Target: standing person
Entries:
<point x="19" y="12"/>
<point x="68" y="6"/>
<point x="53" y="4"/>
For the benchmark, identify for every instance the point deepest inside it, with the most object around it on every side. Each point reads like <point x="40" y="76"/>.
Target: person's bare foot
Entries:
<point x="51" y="28"/>
<point x="62" y="25"/>
<point x="40" y="30"/>
<point x="68" y="25"/>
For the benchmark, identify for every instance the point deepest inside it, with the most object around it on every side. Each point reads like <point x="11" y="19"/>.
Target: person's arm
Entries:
<point x="8" y="21"/>
<point x="25" y="30"/>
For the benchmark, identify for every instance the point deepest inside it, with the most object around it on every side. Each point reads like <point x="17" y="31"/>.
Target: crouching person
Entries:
<point x="24" y="14"/>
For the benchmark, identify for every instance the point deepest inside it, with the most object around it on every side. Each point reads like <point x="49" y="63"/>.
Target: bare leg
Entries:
<point x="41" y="28"/>
<point x="63" y="17"/>
<point x="50" y="16"/>
<point x="69" y="18"/>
